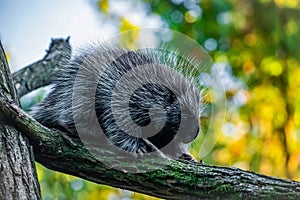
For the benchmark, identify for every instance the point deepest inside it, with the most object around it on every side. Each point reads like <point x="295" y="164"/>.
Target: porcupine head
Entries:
<point x="141" y="101"/>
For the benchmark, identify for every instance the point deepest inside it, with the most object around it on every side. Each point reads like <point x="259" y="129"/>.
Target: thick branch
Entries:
<point x="177" y="180"/>
<point x="41" y="72"/>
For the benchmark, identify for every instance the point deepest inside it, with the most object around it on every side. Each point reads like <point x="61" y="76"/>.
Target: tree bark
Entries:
<point x="17" y="169"/>
<point x="169" y="179"/>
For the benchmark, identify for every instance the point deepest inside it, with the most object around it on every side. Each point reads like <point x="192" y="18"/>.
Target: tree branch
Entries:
<point x="40" y="73"/>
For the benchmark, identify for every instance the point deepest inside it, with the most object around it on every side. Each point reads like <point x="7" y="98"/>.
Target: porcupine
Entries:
<point x="170" y="95"/>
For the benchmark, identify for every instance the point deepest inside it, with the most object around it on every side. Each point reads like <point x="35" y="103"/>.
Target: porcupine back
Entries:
<point x="162" y="84"/>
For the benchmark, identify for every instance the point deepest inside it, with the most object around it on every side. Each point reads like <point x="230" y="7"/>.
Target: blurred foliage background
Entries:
<point x="256" y="43"/>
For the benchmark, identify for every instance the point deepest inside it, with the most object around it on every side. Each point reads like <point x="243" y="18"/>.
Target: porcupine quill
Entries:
<point x="165" y="99"/>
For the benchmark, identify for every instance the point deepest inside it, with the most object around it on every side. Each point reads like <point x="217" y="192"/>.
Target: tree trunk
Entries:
<point x="17" y="169"/>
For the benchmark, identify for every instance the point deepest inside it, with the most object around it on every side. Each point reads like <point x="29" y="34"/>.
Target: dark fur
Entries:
<point x="112" y="63"/>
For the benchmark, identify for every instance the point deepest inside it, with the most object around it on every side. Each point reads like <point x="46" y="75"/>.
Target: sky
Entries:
<point x="26" y="27"/>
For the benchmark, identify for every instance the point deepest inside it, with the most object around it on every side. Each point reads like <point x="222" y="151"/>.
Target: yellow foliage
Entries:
<point x="288" y="3"/>
<point x="190" y="16"/>
<point x="7" y="57"/>
<point x="220" y="57"/>
<point x="129" y="39"/>
<point x="272" y="66"/>
<point x="103" y="5"/>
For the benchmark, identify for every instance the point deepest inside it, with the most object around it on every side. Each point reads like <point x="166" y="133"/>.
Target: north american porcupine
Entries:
<point x="142" y="100"/>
